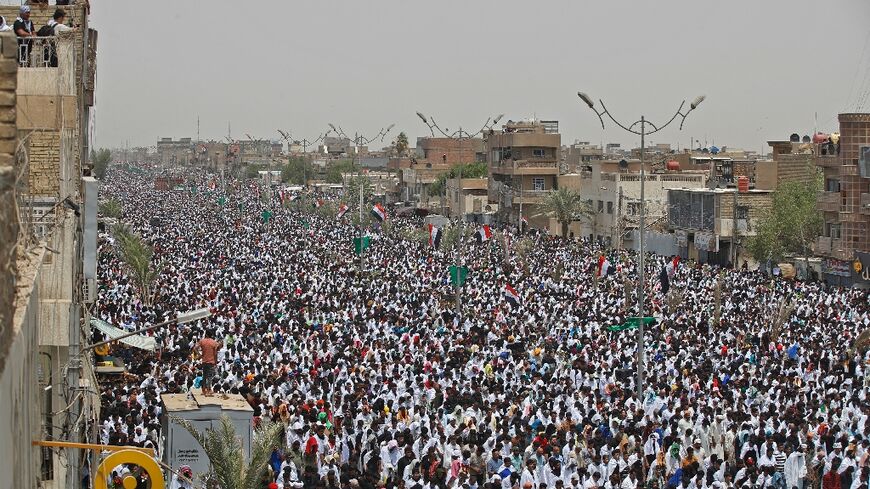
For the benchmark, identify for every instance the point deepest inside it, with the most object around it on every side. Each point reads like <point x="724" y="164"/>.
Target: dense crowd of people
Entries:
<point x="379" y="384"/>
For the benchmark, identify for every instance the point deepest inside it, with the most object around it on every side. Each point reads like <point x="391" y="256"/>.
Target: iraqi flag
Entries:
<point x="671" y="266"/>
<point x="603" y="266"/>
<point x="484" y="233"/>
<point x="318" y="203"/>
<point x="511" y="295"/>
<point x="342" y="210"/>
<point x="293" y="197"/>
<point x="667" y="273"/>
<point x="379" y="213"/>
<point x="281" y="196"/>
<point x="434" y="236"/>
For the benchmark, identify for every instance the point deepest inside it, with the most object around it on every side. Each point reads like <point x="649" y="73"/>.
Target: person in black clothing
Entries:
<point x="23" y="28"/>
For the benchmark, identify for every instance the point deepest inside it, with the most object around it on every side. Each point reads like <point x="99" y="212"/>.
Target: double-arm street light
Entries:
<point x="642" y="128"/>
<point x="460" y="136"/>
<point x="285" y="135"/>
<point x="360" y="140"/>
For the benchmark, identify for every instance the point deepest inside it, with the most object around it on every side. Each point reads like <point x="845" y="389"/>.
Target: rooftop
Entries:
<point x="228" y="402"/>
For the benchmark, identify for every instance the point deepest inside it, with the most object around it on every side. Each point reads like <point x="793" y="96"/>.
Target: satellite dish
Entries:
<point x="488" y="208"/>
<point x="714" y="150"/>
<point x="794" y="138"/>
<point x="623" y="164"/>
<point x="806" y="139"/>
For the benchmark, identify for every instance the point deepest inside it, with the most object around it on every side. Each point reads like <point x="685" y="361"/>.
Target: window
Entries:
<point x="600" y="206"/>
<point x="633" y="208"/>
<point x="742" y="212"/>
<point x="833" y="230"/>
<point x="538" y="152"/>
<point x="610" y="207"/>
<point x="832" y="185"/>
<point x="538" y="183"/>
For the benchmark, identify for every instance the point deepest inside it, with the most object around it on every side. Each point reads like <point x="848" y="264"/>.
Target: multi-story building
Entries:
<point x="614" y="196"/>
<point x="172" y="152"/>
<point x="449" y="151"/>
<point x="523" y="159"/>
<point x="709" y="224"/>
<point x="845" y="201"/>
<point x="54" y="392"/>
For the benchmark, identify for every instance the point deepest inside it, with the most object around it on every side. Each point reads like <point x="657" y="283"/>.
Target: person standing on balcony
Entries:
<point x="51" y="29"/>
<point x="23" y="28"/>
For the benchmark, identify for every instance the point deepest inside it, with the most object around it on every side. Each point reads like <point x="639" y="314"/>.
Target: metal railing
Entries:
<point x="37" y="52"/>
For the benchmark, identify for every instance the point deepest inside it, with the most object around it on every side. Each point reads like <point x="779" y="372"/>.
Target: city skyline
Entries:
<point x="455" y="62"/>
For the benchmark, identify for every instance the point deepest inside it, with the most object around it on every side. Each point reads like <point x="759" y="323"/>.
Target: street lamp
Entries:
<point x="459" y="136"/>
<point x="285" y="135"/>
<point x="360" y="140"/>
<point x="643" y="131"/>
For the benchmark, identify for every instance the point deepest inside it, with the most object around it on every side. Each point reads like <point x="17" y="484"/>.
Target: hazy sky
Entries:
<point x="766" y="66"/>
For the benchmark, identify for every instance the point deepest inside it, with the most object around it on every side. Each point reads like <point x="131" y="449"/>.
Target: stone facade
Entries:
<point x="9" y="227"/>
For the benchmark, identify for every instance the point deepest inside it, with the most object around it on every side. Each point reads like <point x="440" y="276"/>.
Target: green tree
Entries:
<point x="336" y="170"/>
<point x="791" y="225"/>
<point x="565" y="205"/>
<point x="138" y="257"/>
<point x="296" y="170"/>
<point x="401" y="144"/>
<point x="226" y="455"/>
<point x="111" y="208"/>
<point x="471" y="170"/>
<point x="101" y="159"/>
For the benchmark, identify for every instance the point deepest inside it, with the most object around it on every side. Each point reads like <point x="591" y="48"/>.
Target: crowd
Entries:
<point x="379" y="384"/>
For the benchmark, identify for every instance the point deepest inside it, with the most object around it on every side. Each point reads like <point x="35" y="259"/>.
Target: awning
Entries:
<point x="136" y="341"/>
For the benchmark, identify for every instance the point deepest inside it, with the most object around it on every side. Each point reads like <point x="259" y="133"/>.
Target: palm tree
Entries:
<point x="401" y="143"/>
<point x="565" y="206"/>
<point x="226" y="454"/>
<point x="138" y="256"/>
<point x="111" y="208"/>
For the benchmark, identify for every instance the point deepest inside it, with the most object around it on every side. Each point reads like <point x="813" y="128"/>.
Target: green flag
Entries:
<point x="632" y="323"/>
<point x="241" y="206"/>
<point x="360" y="244"/>
<point x="266" y="215"/>
<point x="307" y="225"/>
<point x="463" y="274"/>
<point x="222" y="200"/>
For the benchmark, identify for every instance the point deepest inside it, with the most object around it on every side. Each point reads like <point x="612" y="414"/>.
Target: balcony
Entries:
<point x="827" y="161"/>
<point x="527" y="167"/>
<point x="848" y="170"/>
<point x="829" y="202"/>
<point x="531" y="196"/>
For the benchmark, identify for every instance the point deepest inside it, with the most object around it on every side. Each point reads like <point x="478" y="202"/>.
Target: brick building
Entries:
<point x="523" y="161"/>
<point x="845" y="201"/>
<point x="50" y="107"/>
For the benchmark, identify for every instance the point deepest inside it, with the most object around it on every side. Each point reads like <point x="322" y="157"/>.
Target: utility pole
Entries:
<point x="460" y="135"/>
<point x="643" y="132"/>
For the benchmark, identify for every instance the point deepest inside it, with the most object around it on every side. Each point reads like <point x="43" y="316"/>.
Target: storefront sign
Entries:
<point x="836" y="267"/>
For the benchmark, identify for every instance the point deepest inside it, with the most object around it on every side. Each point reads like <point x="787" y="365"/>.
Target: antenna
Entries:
<point x="197" y="130"/>
<point x="229" y="132"/>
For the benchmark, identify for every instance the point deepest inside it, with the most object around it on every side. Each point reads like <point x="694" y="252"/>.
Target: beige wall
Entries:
<point x="19" y="390"/>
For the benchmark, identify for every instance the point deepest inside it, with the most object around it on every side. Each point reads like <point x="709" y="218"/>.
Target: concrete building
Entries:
<point x="710" y="224"/>
<point x="52" y="105"/>
<point x="468" y="198"/>
<point x="523" y="159"/>
<point x="171" y="152"/>
<point x="845" y="202"/>
<point x="22" y="410"/>
<point x="579" y="154"/>
<point x="614" y="197"/>
<point x="449" y="151"/>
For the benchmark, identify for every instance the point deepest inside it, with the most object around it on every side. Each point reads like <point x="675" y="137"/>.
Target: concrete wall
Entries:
<point x="19" y="389"/>
<point x="8" y="208"/>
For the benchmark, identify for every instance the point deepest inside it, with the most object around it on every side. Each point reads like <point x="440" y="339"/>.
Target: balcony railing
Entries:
<point x="37" y="52"/>
<point x="534" y="164"/>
